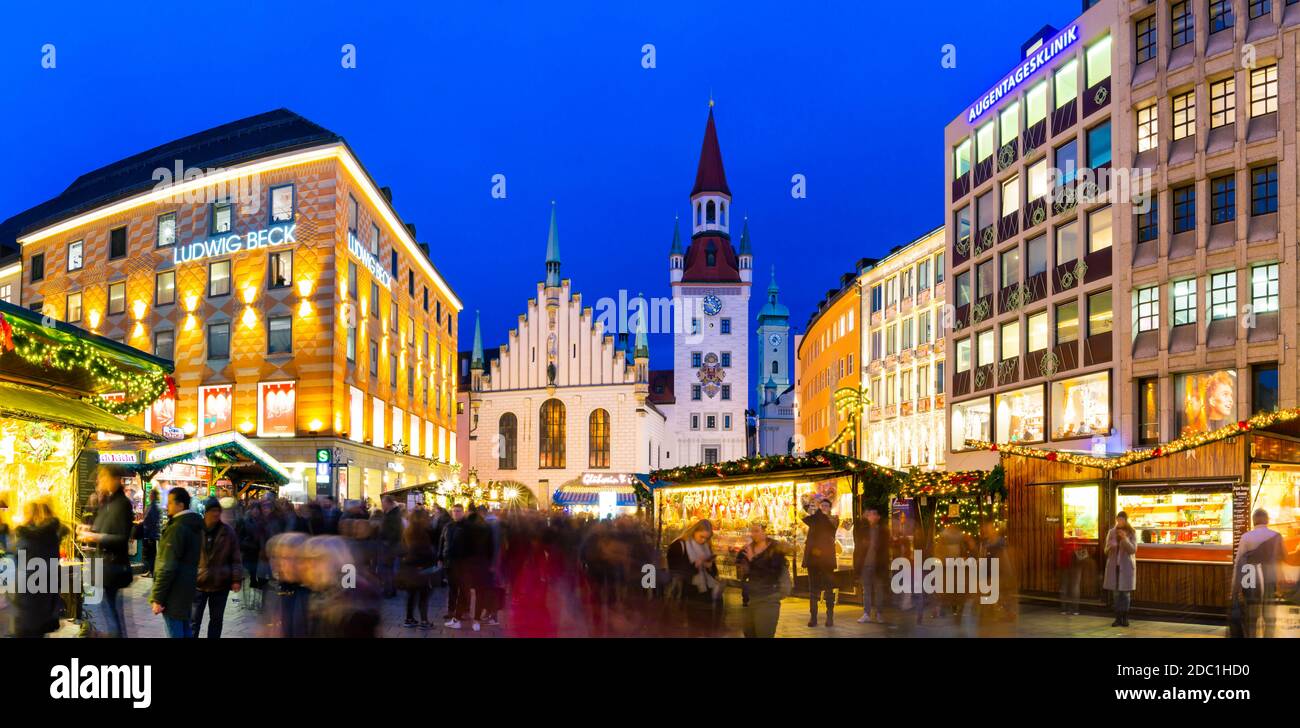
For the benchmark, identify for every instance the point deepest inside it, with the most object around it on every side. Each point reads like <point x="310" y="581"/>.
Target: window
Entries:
<point x="1223" y="199"/>
<point x="1020" y="415"/>
<point x="1184" y="209"/>
<point x="725" y="325"/>
<point x="1067" y="242"/>
<point x="164" y="344"/>
<point x="1263" y="90"/>
<point x="7" y="293"/>
<point x="1220" y="15"/>
<point x="1036" y="332"/>
<point x="392" y="370"/>
<point x="279" y="335"/>
<point x="971" y="421"/>
<point x="1259" y="8"/>
<point x="1223" y="295"/>
<point x="219" y="341"/>
<point x="726" y="359"/>
<point x="963" y="288"/>
<point x="352" y="344"/>
<point x="1036" y="256"/>
<point x="1185" y="302"/>
<point x="1098" y="62"/>
<point x="1263" y="190"/>
<point x="710" y="421"/>
<point x="394" y="263"/>
<point x="1100" y="313"/>
<point x="38" y="267"/>
<point x="374" y="240"/>
<point x="1204" y="401"/>
<point x="1067" y="161"/>
<point x="923" y="275"/>
<point x="1148" y="127"/>
<point x="695" y="392"/>
<point x="1099" y="145"/>
<point x="1184" y="107"/>
<point x="1011" y="267"/>
<point x="1009" y="123"/>
<point x="984" y="344"/>
<point x="1146" y="309"/>
<point x="1010" y="340"/>
<point x="507" y="441"/>
<point x="75" y="257"/>
<point x="984" y="279"/>
<point x="1148" y="410"/>
<point x="1067" y="83"/>
<point x="1263" y="388"/>
<point x="352" y="280"/>
<point x="219" y="278"/>
<point x="1145" y="31"/>
<point x="1081" y="406"/>
<point x="74" y="307"/>
<point x="374" y="358"/>
<point x="598" y="436"/>
<point x="164" y="288"/>
<point x="116" y="297"/>
<point x="1148" y="223"/>
<point x="938" y="269"/>
<point x="963" y="355"/>
<point x="1099" y="229"/>
<point x="374" y="300"/>
<point x="1183" y="28"/>
<point x="1011" y="196"/>
<point x="223" y="217"/>
<point x="1067" y="322"/>
<point x="282" y="203"/>
<point x="1264" y="288"/>
<point x="550" y="446"/>
<point x="1223" y="102"/>
<point x="984" y="144"/>
<point x="1038" y="180"/>
<point x="166" y="235"/>
<point x="352" y="214"/>
<point x="961" y="158"/>
<point x="726" y="388"/>
<point x="697" y="359"/>
<point x="280" y="269"/>
<point x="1036" y="104"/>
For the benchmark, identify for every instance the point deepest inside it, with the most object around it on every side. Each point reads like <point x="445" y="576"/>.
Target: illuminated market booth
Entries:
<point x="1190" y="500"/>
<point x="226" y="464"/>
<point x="495" y="494"/>
<point x="63" y="391"/>
<point x="604" y="495"/>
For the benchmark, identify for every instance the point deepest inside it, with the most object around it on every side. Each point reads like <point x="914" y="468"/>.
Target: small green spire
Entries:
<point x="553" y="252"/>
<point x="476" y="359"/>
<point x="744" y="239"/>
<point x="642" y="344"/>
<point x="772" y="288"/>
<point x="677" y="237"/>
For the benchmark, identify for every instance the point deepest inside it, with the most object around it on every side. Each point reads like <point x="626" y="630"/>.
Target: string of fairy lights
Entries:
<point x="32" y="343"/>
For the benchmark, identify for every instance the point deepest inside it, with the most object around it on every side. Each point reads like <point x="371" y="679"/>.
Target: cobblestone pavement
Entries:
<point x="1032" y="621"/>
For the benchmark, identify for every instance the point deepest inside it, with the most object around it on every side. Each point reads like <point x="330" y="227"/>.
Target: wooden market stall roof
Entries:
<point x="26" y="403"/>
<point x="816" y="465"/>
<point x="240" y="458"/>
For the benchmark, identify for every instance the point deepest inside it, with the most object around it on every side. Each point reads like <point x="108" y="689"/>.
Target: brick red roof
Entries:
<point x="710" y="177"/>
<point x="726" y="265"/>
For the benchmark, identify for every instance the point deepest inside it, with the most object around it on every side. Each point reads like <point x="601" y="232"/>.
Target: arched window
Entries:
<point x="711" y="252"/>
<point x="550" y="446"/>
<point x="507" y="439"/>
<point x="774" y="366"/>
<point x="598" y="437"/>
<point x="723" y="207"/>
<point x="711" y="213"/>
<point x="699" y="213"/>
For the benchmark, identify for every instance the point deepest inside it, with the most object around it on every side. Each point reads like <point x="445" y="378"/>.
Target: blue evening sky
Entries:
<point x="552" y="95"/>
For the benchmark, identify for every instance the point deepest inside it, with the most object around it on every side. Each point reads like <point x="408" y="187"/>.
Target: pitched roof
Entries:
<point x="725" y="267"/>
<point x="710" y="177"/>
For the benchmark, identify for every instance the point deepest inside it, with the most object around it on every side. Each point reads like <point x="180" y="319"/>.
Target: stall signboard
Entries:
<point x="215" y="404"/>
<point x="1205" y="401"/>
<point x="608" y="479"/>
<point x="275" y="409"/>
<point x="119" y="458"/>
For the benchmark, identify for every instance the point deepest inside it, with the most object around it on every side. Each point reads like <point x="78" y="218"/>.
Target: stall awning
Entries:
<point x="227" y="448"/>
<point x="26" y="403"/>
<point x="589" y="495"/>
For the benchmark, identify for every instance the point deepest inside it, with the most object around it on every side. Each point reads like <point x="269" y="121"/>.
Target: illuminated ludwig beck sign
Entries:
<point x="1039" y="58"/>
<point x="372" y="264"/>
<point x="226" y="244"/>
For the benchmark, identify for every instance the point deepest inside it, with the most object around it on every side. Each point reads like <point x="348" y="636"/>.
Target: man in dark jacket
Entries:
<point x="390" y="544"/>
<point x="110" y="534"/>
<point x="871" y="562"/>
<point x="220" y="571"/>
<point x="452" y="556"/>
<point x="150" y="530"/>
<point x="819" y="560"/>
<point x="177" y="571"/>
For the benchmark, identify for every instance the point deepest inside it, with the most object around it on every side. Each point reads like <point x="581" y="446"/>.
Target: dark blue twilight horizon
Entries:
<point x="555" y="97"/>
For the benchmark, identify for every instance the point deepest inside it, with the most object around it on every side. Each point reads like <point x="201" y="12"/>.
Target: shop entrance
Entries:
<point x="1060" y="542"/>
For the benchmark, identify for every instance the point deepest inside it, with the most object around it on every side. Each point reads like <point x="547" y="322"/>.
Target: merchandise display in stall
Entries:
<point x="1179" y="518"/>
<point x="37" y="461"/>
<point x="1080" y="505"/>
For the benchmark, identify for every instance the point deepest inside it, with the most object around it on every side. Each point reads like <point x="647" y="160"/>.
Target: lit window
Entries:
<point x="282" y="203"/>
<point x="76" y="259"/>
<point x="1223" y="102"/>
<point x="1145" y="32"/>
<point x="1220" y="15"/>
<point x="1011" y="196"/>
<point x="1067" y="322"/>
<point x="1148" y="123"/>
<point x="1067" y="242"/>
<point x="1264" y="288"/>
<point x="1098" y="62"/>
<point x="280" y="269"/>
<point x="165" y="288"/>
<point x="1009" y="123"/>
<point x="1036" y="104"/>
<point x="1010" y="340"/>
<point x="279" y="335"/>
<point x="117" y="298"/>
<point x="1183" y="28"/>
<point x="1038" y="180"/>
<point x="1146" y="309"/>
<point x="223" y="217"/>
<point x="1067" y="83"/>
<point x="1099" y="230"/>
<point x="1184" y="108"/>
<point x="1100" y="314"/>
<point x="74" y="307"/>
<point x="984" y="342"/>
<point x="1223" y="295"/>
<point x="164" y="344"/>
<point x="963" y="355"/>
<point x="1185" y="302"/>
<point x="167" y="230"/>
<point x="1259" y="8"/>
<point x="1263" y="90"/>
<point x="219" y="278"/>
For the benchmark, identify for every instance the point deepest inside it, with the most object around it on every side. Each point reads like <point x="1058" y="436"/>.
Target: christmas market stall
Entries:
<point x="225" y="464"/>
<point x="496" y="495"/>
<point x="64" y="392"/>
<point x="604" y="495"/>
<point x="775" y="490"/>
<point x="1189" y="500"/>
<point x="926" y="502"/>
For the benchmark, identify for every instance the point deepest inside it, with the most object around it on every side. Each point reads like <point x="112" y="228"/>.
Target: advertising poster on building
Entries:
<point x="214" y="409"/>
<point x="1205" y="401"/>
<point x="116" y="397"/>
<point x="275" y="409"/>
<point x="161" y="415"/>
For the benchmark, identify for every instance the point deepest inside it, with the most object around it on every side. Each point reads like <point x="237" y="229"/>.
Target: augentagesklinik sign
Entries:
<point x="1045" y="53"/>
<point x="224" y="244"/>
<point x="372" y="264"/>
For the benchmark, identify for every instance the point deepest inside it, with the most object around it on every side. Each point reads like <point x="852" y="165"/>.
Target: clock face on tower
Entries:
<point x="712" y="305"/>
<point x="774" y="339"/>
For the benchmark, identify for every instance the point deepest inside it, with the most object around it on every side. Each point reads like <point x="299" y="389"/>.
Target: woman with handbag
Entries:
<point x="1121" y="567"/>
<point x="695" y="567"/>
<point x="765" y="572"/>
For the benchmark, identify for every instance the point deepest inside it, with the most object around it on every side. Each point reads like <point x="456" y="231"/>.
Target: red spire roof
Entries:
<point x="710" y="176"/>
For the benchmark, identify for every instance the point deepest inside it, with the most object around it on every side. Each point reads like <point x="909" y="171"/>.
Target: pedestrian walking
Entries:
<point x="415" y="574"/>
<point x="766" y="575"/>
<point x="1260" y="554"/>
<point x="819" y="560"/>
<point x="871" y="562"/>
<point x="177" y="572"/>
<point x="453" y="553"/>
<point x="343" y="603"/>
<point x="1071" y="563"/>
<point x="390" y="543"/>
<point x="150" y="530"/>
<point x="220" y="570"/>
<point x="1121" y="567"/>
<point x="36" y="542"/>
<point x="110" y="535"/>
<point x="289" y="598"/>
<point x="694" y="568"/>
